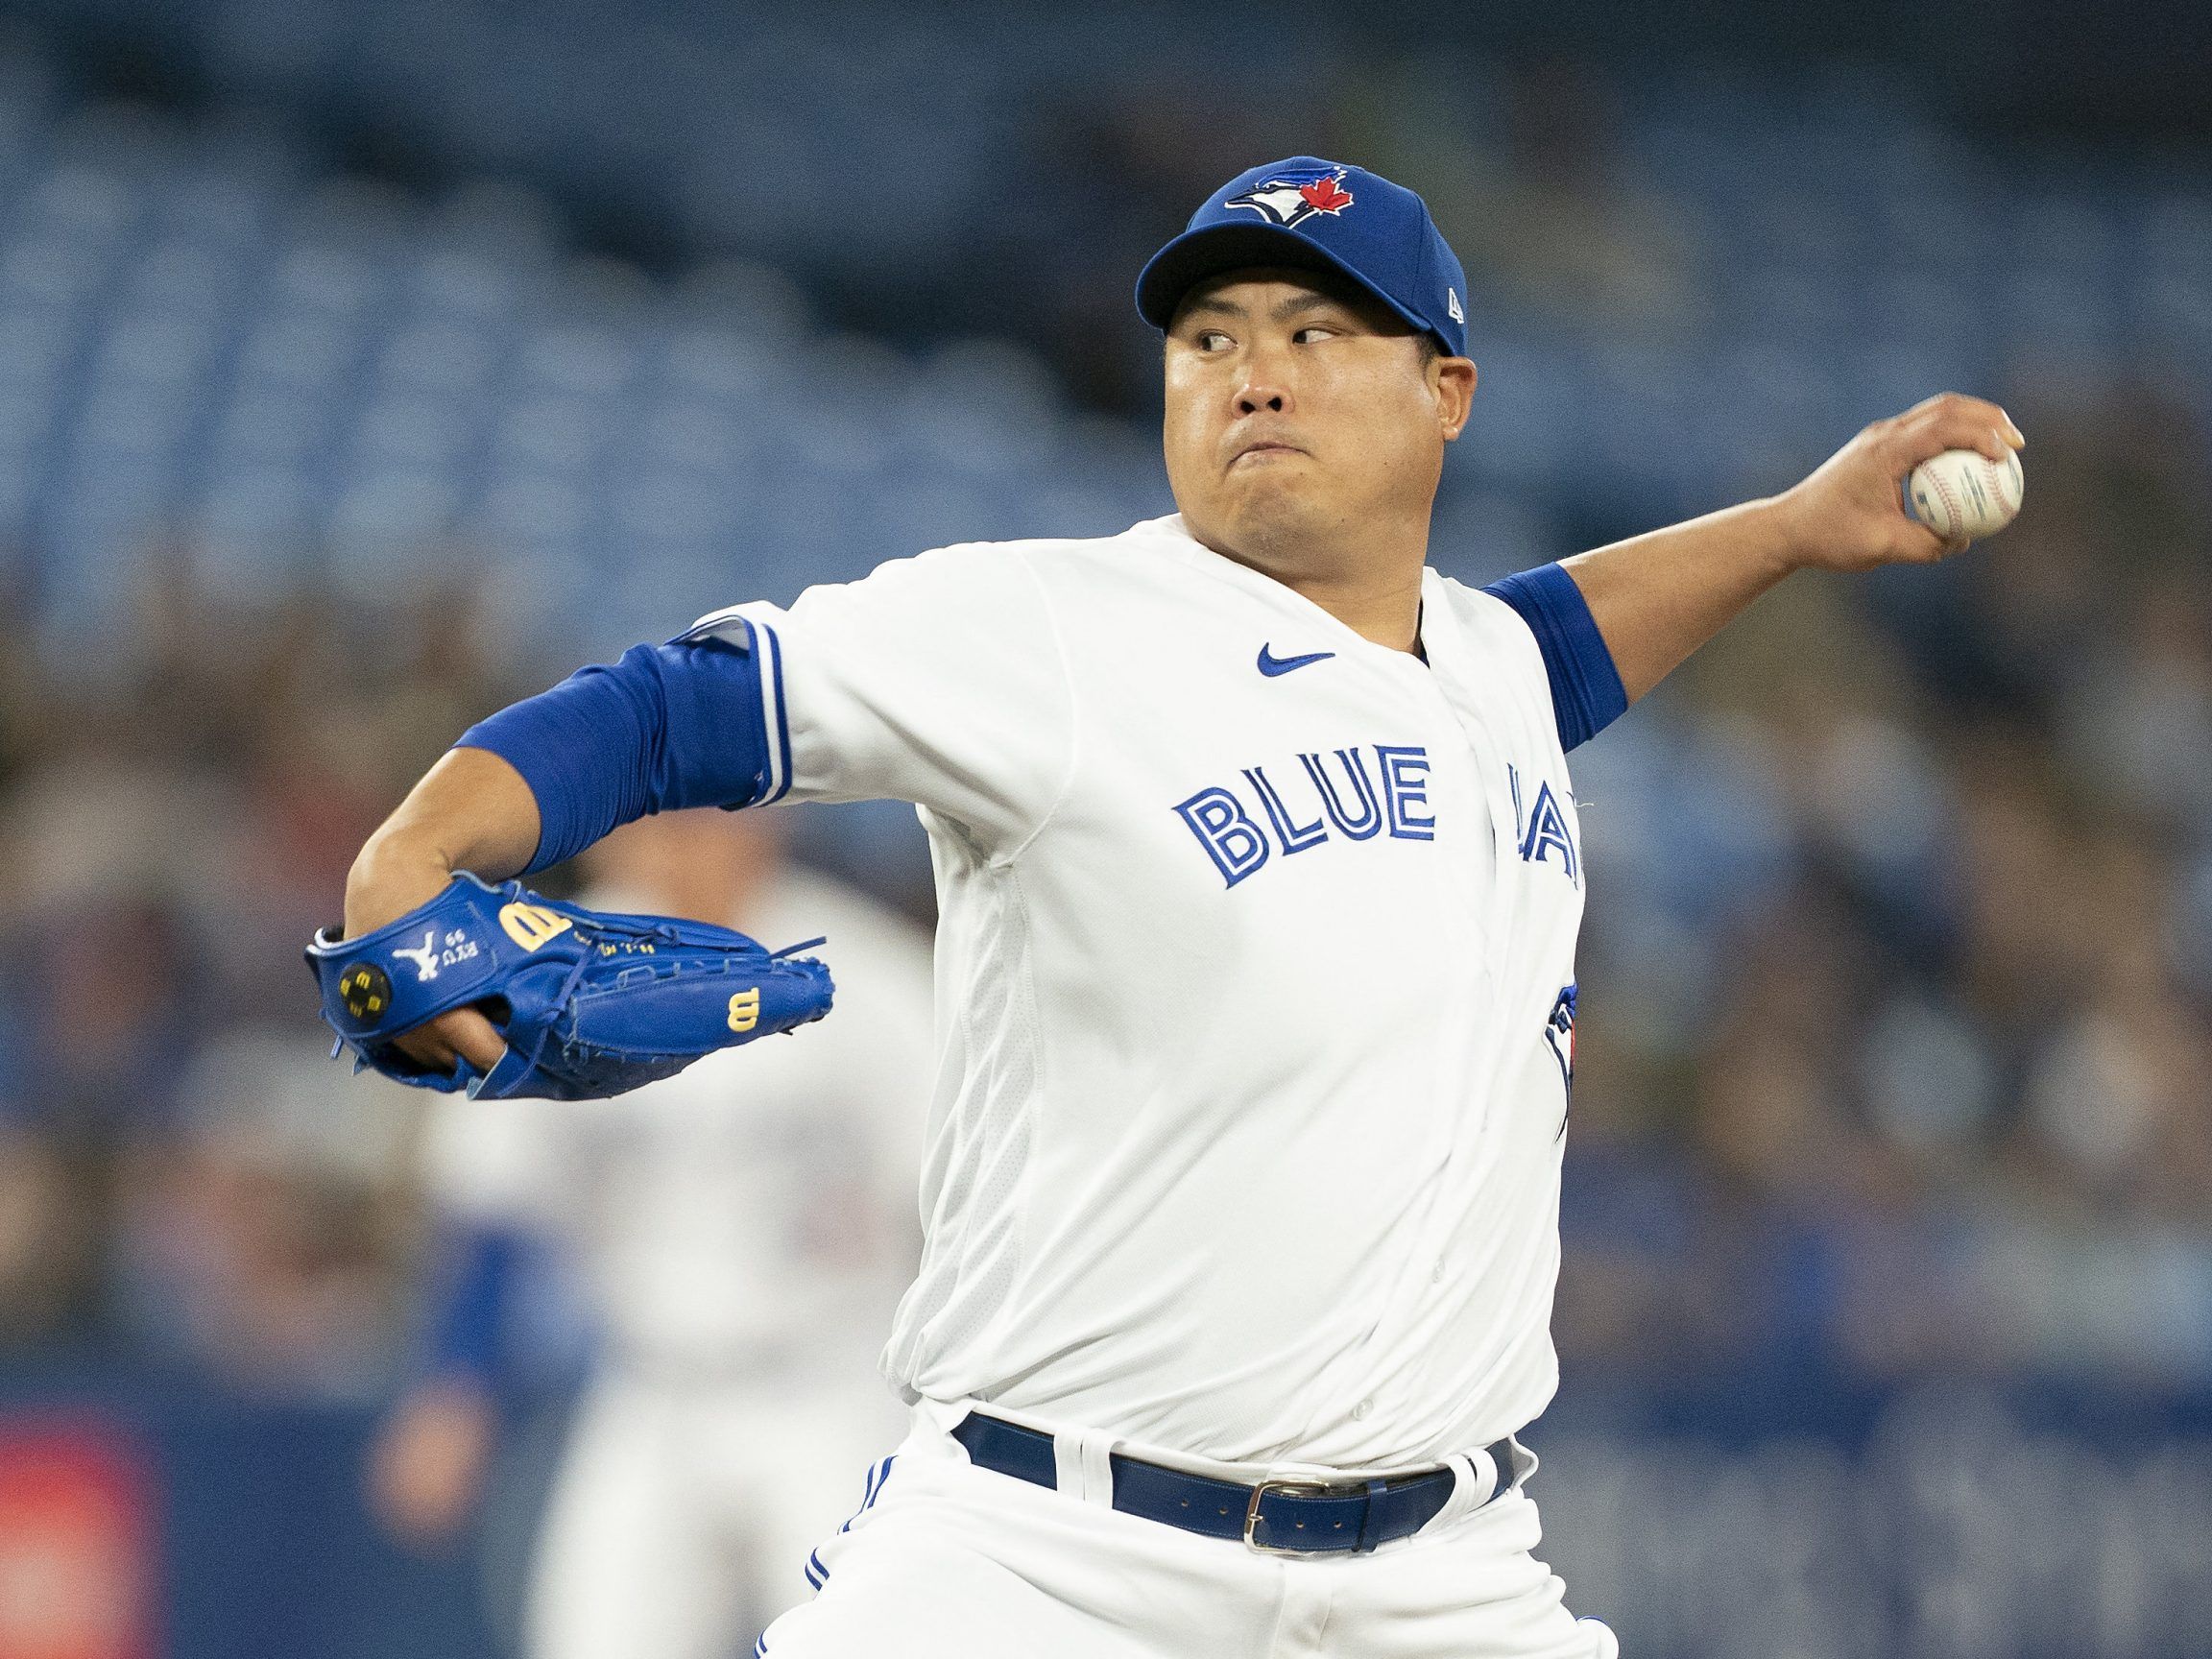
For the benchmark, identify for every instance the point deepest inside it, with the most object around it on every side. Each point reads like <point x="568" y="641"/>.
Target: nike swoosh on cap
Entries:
<point x="1272" y="666"/>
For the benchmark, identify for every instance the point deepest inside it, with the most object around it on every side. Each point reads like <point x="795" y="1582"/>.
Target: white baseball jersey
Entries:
<point x="1253" y="973"/>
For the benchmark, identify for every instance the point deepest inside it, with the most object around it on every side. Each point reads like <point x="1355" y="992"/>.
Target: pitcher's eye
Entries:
<point x="1208" y="339"/>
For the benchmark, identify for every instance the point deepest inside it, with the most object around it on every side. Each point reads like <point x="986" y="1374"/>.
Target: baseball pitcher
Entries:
<point x="1260" y="875"/>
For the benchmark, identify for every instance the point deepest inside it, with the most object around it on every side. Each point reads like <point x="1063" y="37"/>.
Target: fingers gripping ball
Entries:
<point x="1962" y="494"/>
<point x="589" y="1005"/>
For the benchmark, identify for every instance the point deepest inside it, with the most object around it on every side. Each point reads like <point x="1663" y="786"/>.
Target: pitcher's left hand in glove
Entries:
<point x="588" y="1004"/>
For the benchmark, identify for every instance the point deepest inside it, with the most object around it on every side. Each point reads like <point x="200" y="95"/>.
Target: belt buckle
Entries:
<point x="1290" y="1488"/>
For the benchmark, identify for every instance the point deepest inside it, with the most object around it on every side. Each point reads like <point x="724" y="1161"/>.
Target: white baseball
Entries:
<point x="1963" y="492"/>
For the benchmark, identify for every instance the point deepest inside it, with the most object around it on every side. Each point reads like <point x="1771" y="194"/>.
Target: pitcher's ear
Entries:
<point x="1453" y="380"/>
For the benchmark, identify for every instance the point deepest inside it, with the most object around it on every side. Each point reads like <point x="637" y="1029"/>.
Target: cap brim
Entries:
<point x="1213" y="248"/>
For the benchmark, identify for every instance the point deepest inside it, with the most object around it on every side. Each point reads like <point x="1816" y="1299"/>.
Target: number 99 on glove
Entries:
<point x="588" y="1003"/>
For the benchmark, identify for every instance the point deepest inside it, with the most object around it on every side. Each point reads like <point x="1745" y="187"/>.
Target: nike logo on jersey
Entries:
<point x="1272" y="666"/>
<point x="1346" y="797"/>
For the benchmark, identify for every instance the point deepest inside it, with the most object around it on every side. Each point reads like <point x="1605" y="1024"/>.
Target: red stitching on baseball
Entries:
<point x="1958" y="517"/>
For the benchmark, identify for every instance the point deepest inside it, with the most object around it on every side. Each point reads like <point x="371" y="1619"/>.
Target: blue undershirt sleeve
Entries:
<point x="1587" y="695"/>
<point x="667" y="727"/>
<point x="470" y="1311"/>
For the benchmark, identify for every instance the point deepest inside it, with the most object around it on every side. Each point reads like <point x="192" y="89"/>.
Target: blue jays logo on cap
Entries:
<point x="1307" y="212"/>
<point x="1289" y="197"/>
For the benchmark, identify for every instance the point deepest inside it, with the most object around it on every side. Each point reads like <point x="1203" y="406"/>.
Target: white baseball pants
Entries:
<point x="949" y="1561"/>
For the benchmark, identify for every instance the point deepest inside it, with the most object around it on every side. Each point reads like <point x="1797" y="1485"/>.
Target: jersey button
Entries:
<point x="1437" y="1277"/>
<point x="1359" y="1411"/>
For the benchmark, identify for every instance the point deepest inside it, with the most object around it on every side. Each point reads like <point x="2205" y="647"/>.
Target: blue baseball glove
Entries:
<point x="589" y="1005"/>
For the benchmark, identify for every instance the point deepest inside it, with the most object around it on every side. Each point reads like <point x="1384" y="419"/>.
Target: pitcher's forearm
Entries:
<point x="1657" y="597"/>
<point x="471" y="811"/>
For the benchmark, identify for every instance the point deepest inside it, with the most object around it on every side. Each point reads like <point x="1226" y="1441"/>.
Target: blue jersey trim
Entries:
<point x="818" y="1575"/>
<point x="776" y="711"/>
<point x="1587" y="695"/>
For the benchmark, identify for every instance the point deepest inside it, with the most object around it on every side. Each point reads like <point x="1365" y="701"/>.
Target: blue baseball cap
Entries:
<point x="1321" y="215"/>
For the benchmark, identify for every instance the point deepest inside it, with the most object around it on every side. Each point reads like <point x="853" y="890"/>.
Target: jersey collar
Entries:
<point x="1175" y="536"/>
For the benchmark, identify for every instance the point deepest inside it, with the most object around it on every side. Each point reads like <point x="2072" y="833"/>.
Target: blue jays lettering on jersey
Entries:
<point x="1238" y="847"/>
<point x="1543" y="833"/>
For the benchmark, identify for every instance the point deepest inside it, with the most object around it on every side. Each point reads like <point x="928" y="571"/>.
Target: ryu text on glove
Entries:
<point x="589" y="1005"/>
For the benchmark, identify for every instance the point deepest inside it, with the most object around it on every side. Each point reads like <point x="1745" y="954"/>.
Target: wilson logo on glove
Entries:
<point x="530" y="926"/>
<point x="589" y="1005"/>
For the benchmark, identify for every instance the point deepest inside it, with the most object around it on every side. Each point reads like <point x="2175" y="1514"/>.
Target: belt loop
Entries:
<point x="1098" y="1469"/>
<point x="1524" y="1462"/>
<point x="1082" y="1466"/>
<point x="942" y="1415"/>
<point x="1374" y="1502"/>
<point x="1501" y="1474"/>
<point x="1469" y="1490"/>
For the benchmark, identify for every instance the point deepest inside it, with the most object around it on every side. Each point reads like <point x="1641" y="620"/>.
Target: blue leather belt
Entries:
<point x="1275" y="1517"/>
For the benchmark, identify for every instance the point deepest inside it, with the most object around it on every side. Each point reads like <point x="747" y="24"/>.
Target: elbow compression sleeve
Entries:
<point x="667" y="727"/>
<point x="1587" y="695"/>
<point x="474" y="1295"/>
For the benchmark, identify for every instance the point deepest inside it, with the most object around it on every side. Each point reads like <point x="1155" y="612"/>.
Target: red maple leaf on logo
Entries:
<point x="1324" y="196"/>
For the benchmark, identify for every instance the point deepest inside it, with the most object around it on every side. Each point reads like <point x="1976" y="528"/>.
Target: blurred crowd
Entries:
<point x="187" y="1179"/>
<point x="1897" y="976"/>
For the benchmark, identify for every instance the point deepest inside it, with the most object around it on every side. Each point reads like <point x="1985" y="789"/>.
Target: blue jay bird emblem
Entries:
<point x="1289" y="199"/>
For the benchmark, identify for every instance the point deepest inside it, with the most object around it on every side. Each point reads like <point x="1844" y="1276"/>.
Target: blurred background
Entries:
<point x="366" y="364"/>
